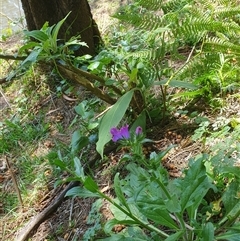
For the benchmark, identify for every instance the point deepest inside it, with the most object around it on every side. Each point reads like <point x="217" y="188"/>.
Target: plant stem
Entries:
<point x="143" y="224"/>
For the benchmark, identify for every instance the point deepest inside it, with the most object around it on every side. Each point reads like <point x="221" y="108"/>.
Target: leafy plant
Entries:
<point x="94" y="219"/>
<point x="208" y="28"/>
<point x="154" y="207"/>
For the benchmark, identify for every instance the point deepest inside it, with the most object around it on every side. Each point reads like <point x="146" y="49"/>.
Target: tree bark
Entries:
<point x="79" y="22"/>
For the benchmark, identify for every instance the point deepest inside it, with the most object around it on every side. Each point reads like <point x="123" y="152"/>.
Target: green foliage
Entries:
<point x="85" y="135"/>
<point x="94" y="219"/>
<point x="45" y="46"/>
<point x="211" y="29"/>
<point x="13" y="132"/>
<point x="112" y="118"/>
<point x="152" y="206"/>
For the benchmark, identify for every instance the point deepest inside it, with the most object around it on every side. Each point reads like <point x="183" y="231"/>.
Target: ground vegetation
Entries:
<point x="140" y="141"/>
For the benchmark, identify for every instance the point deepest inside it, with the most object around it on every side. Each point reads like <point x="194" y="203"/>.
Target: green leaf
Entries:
<point x="208" y="232"/>
<point x="59" y="163"/>
<point x="127" y="234"/>
<point x="156" y="211"/>
<point x="56" y="30"/>
<point x="32" y="58"/>
<point x="94" y="65"/>
<point x="117" y="213"/>
<point x="79" y="171"/>
<point x="229" y="198"/>
<point x="178" y="84"/>
<point x="183" y="84"/>
<point x="231" y="201"/>
<point x="119" y="193"/>
<point x="140" y="121"/>
<point x="193" y="194"/>
<point x="112" y="119"/>
<point x="232" y="234"/>
<point x="27" y="46"/>
<point x="90" y="185"/>
<point x="111" y="223"/>
<point x="175" y="236"/>
<point x="78" y="141"/>
<point x="81" y="192"/>
<point x="37" y="34"/>
<point x="173" y="204"/>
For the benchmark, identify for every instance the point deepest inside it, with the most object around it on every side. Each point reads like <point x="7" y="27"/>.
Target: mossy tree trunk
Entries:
<point x="79" y="22"/>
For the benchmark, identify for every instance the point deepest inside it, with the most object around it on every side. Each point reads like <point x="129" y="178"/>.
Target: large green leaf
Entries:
<point x="156" y="211"/>
<point x="140" y="121"/>
<point x="178" y="84"/>
<point x="78" y="141"/>
<point x="90" y="185"/>
<point x="56" y="30"/>
<point x="112" y="119"/>
<point x="192" y="194"/>
<point x="32" y="57"/>
<point x="119" y="192"/>
<point x="231" y="198"/>
<point x="208" y="232"/>
<point x="37" y="34"/>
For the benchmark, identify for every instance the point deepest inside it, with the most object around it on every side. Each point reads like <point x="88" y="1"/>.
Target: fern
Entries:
<point x="151" y="4"/>
<point x="209" y="27"/>
<point x="217" y="45"/>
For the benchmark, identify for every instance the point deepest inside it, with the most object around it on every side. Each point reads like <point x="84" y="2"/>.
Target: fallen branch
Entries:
<point x="12" y="57"/>
<point x="39" y="218"/>
<point x="35" y="222"/>
<point x="71" y="74"/>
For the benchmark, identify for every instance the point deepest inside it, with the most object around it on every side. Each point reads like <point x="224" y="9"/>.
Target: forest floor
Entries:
<point x="70" y="220"/>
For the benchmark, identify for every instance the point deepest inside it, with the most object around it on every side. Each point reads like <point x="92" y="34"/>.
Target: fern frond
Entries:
<point x="152" y="5"/>
<point x="226" y="12"/>
<point x="216" y="44"/>
<point x="151" y="54"/>
<point x="199" y="64"/>
<point x="144" y="21"/>
<point x="175" y="5"/>
<point x="198" y="26"/>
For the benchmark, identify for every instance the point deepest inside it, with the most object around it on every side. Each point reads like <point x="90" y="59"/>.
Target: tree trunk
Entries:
<point x="79" y="22"/>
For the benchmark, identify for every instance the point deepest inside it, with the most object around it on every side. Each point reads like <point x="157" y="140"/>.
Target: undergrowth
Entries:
<point x="162" y="58"/>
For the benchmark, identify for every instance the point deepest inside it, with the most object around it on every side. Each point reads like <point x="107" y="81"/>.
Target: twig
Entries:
<point x="103" y="112"/>
<point x="14" y="182"/>
<point x="71" y="210"/>
<point x="4" y="97"/>
<point x="190" y="54"/>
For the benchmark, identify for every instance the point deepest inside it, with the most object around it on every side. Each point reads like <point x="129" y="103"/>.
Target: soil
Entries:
<point x="69" y="222"/>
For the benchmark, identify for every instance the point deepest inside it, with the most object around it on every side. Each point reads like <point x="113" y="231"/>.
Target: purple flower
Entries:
<point x="138" y="130"/>
<point x="116" y="135"/>
<point x="123" y="133"/>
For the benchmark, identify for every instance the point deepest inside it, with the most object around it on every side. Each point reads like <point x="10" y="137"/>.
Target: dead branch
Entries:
<point x="12" y="57"/>
<point x="39" y="218"/>
<point x="95" y="77"/>
<point x="68" y="73"/>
